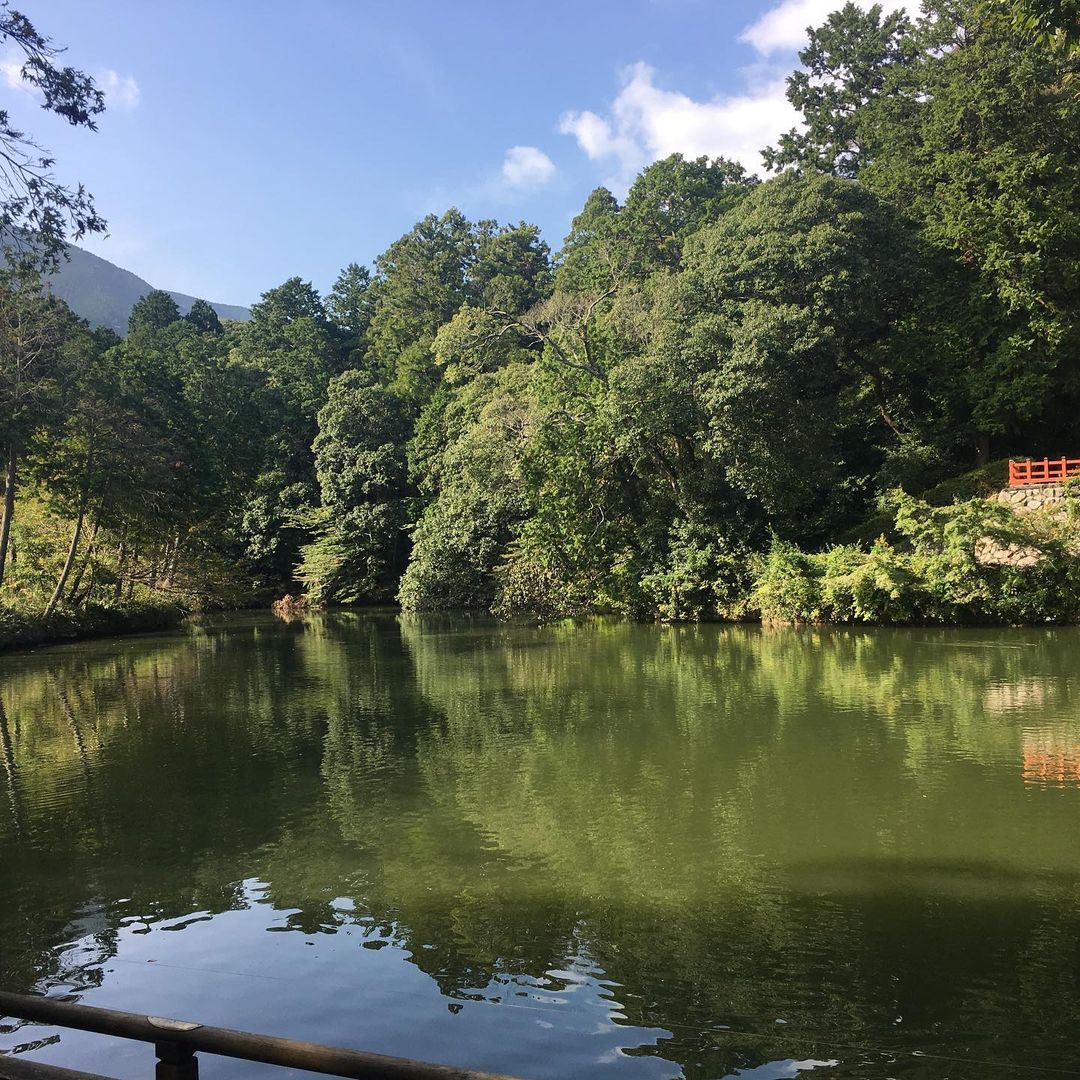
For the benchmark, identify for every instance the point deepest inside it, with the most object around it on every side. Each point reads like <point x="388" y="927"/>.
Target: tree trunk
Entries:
<point x="173" y="560"/>
<point x="69" y="562"/>
<point x="77" y="580"/>
<point x="131" y="574"/>
<point x="9" y="511"/>
<point x="982" y="448"/>
<point x="90" y="582"/>
<point x="121" y="566"/>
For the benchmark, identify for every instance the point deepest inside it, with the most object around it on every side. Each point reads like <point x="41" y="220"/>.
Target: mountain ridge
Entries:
<point x="103" y="293"/>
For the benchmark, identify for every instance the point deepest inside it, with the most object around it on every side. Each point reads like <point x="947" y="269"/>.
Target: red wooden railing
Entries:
<point x="1047" y="471"/>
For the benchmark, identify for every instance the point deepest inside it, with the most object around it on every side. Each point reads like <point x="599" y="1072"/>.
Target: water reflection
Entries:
<point x="1048" y="760"/>
<point x="567" y="851"/>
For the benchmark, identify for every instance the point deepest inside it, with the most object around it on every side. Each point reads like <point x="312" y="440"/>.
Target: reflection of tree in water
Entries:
<point x="735" y="825"/>
<point x="692" y="783"/>
<point x="135" y="781"/>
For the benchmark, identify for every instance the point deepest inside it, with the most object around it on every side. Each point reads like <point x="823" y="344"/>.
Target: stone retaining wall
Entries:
<point x="1022" y="500"/>
<point x="1031" y="497"/>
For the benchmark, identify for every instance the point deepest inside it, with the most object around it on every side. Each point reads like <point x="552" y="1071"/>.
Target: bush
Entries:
<point x="457" y="547"/>
<point x="788" y="588"/>
<point x="702" y="578"/>
<point x="950" y="567"/>
<point x="530" y="581"/>
<point x="21" y="627"/>
<point x="875" y="587"/>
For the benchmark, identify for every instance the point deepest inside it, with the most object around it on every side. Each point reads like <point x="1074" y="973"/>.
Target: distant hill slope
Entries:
<point x="104" y="294"/>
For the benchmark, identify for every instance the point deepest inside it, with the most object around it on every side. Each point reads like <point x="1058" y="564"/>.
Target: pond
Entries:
<point x="590" y="849"/>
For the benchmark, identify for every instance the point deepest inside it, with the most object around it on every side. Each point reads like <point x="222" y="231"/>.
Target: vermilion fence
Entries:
<point x="1047" y="471"/>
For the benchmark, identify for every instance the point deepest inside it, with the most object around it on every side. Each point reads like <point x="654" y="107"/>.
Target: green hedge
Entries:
<point x="20" y="628"/>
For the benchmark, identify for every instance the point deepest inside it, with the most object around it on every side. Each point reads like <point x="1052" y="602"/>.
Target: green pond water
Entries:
<point x="592" y="850"/>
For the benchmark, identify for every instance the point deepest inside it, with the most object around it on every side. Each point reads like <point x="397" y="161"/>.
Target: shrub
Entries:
<point x="788" y="588"/>
<point x="874" y="587"/>
<point x="957" y="564"/>
<point x="702" y="578"/>
<point x="22" y="627"/>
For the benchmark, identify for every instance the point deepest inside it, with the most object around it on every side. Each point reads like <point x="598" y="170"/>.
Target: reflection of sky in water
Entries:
<point x="216" y="972"/>
<point x="781" y="1070"/>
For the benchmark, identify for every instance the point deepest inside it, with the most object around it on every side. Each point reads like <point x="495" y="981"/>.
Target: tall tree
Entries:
<point x="845" y="68"/>
<point x="420" y="282"/>
<point x="512" y="268"/>
<point x="361" y="544"/>
<point x="798" y="293"/>
<point x="584" y="261"/>
<point x="290" y="351"/>
<point x="204" y="318"/>
<point x="152" y="312"/>
<point x="979" y="139"/>
<point x="672" y="199"/>
<point x="971" y="129"/>
<point x="33" y="328"/>
<point x="349" y="302"/>
<point x="291" y="339"/>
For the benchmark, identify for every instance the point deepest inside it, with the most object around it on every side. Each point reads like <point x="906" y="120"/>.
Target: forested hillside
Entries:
<point x="104" y="294"/>
<point x="717" y="367"/>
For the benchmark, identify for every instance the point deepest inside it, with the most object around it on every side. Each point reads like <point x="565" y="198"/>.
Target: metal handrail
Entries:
<point x="177" y="1041"/>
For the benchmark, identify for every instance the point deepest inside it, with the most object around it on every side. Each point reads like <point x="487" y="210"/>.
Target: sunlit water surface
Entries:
<point x="593" y="850"/>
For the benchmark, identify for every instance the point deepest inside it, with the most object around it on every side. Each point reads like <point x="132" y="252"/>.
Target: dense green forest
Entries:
<point x="681" y="413"/>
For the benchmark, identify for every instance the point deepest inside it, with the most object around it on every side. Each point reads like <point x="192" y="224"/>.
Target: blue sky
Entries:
<point x="250" y="140"/>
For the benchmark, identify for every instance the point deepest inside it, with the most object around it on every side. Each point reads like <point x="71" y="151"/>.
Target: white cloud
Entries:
<point x="783" y="28"/>
<point x="527" y="167"/>
<point x="646" y="122"/>
<point x="596" y="137"/>
<point x="12" y="72"/>
<point x="121" y="91"/>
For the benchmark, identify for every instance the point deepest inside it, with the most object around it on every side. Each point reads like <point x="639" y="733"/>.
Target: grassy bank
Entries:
<point x="21" y="628"/>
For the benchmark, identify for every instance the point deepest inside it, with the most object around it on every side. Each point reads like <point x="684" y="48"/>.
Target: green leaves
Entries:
<point x="796" y="294"/>
<point x="971" y="129"/>
<point x="846" y="67"/>
<point x="151" y="313"/>
<point x="480" y="498"/>
<point x="203" y="318"/>
<point x="37" y="211"/>
<point x="716" y="362"/>
<point x="972" y="562"/>
<point x="360" y="546"/>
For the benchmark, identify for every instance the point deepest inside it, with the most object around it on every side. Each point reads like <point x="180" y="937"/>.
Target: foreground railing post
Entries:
<point x="175" y="1062"/>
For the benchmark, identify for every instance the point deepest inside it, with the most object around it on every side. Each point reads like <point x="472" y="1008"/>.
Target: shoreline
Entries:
<point x="21" y="630"/>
